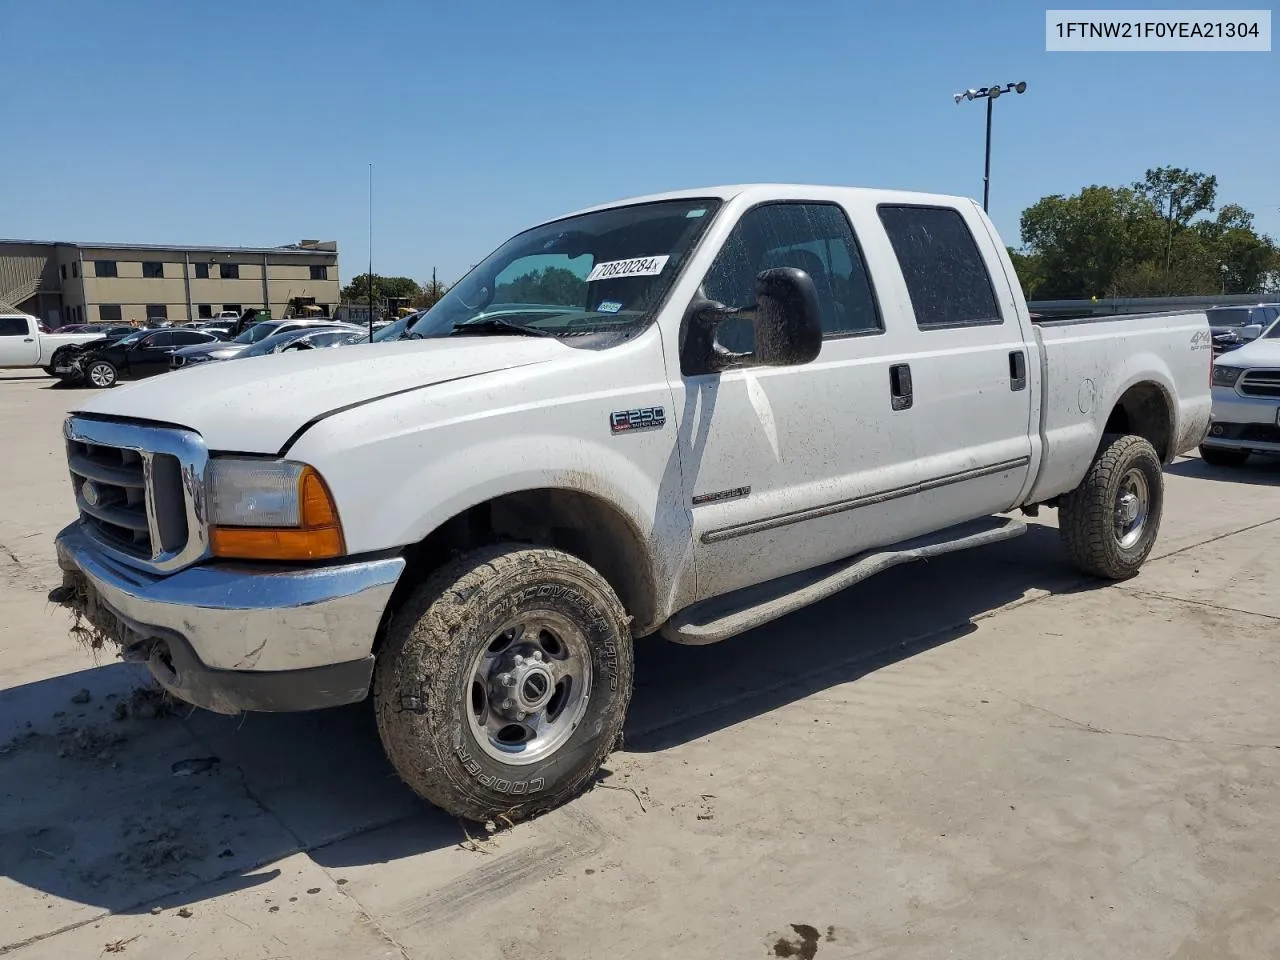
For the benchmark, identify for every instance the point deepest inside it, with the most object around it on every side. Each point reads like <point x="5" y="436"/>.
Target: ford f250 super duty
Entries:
<point x="683" y="415"/>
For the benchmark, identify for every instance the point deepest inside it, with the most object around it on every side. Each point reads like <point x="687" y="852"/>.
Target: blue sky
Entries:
<point x="254" y="123"/>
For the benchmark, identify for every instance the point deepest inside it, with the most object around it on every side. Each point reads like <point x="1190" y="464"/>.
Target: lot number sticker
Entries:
<point x="636" y="267"/>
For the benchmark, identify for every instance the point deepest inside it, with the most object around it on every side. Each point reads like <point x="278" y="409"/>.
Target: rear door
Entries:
<point x="151" y="355"/>
<point x="970" y="397"/>
<point x="19" y="342"/>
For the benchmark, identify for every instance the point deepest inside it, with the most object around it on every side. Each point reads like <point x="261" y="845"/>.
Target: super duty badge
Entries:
<point x="642" y="418"/>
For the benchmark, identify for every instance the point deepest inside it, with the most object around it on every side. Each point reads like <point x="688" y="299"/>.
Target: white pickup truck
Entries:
<point x="23" y="345"/>
<point x="685" y="414"/>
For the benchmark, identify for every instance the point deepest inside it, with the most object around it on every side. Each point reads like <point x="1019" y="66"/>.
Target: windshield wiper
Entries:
<point x="498" y="326"/>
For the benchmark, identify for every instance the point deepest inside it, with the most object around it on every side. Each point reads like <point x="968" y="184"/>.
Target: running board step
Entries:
<point x="719" y="618"/>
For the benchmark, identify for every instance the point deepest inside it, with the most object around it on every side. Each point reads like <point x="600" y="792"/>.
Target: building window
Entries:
<point x="109" y="313"/>
<point x="204" y="311"/>
<point x="202" y="271"/>
<point x="157" y="311"/>
<point x="104" y="268"/>
<point x="63" y="271"/>
<point x="231" y="308"/>
<point x="75" y="269"/>
<point x="319" y="272"/>
<point x="151" y="270"/>
<point x="230" y="271"/>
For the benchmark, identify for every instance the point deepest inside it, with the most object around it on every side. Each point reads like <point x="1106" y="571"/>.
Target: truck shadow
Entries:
<point x="683" y="693"/>
<point x="1259" y="470"/>
<point x="105" y="805"/>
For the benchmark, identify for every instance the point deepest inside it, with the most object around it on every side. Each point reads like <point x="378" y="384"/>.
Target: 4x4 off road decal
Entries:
<point x="643" y="418"/>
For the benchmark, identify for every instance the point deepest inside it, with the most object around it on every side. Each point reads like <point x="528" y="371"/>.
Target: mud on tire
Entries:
<point x="425" y="694"/>
<point x="1089" y="516"/>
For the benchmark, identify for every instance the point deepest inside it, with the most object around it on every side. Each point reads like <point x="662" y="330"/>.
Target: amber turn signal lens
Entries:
<point x="270" y="543"/>
<point x="318" y="538"/>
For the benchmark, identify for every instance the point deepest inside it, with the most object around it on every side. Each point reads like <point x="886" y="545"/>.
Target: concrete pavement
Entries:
<point x="983" y="756"/>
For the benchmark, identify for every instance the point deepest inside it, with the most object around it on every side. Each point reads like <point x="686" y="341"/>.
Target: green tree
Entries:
<point x="358" y="289"/>
<point x="552" y="285"/>
<point x="432" y="292"/>
<point x="1179" y="196"/>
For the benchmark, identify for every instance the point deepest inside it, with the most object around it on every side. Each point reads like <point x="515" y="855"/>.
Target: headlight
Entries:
<point x="271" y="510"/>
<point x="1226" y="376"/>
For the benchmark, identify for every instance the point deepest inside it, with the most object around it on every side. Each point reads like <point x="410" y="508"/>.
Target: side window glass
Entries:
<point x="946" y="277"/>
<point x="813" y="237"/>
<point x="164" y="339"/>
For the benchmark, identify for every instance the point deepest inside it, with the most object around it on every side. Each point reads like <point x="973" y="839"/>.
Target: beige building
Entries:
<point x="96" y="282"/>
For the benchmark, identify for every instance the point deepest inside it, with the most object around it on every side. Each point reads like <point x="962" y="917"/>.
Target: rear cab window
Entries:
<point x="946" y="276"/>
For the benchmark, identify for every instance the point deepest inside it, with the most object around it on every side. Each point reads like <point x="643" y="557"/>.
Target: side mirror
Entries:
<point x="786" y="318"/>
<point x="1251" y="332"/>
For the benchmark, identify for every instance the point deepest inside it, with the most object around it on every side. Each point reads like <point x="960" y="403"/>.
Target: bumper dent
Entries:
<point x="232" y="637"/>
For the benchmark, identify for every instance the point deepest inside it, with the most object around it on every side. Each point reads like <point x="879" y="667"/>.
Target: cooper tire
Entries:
<point x="1090" y="516"/>
<point x="440" y="738"/>
<point x="102" y="374"/>
<point x="1223" y="456"/>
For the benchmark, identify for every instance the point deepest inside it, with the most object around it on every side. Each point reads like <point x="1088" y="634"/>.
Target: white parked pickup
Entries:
<point x="683" y="415"/>
<point x="23" y="345"/>
<point x="1246" y="402"/>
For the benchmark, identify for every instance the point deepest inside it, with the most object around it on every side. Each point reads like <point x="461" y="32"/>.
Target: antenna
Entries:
<point x="371" y="252"/>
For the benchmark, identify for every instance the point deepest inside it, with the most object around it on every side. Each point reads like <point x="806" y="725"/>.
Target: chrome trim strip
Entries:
<point x="185" y="446"/>
<point x="867" y="500"/>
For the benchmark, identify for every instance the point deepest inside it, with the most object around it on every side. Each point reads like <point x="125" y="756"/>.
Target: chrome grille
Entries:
<point x="140" y="490"/>
<point x="1261" y="383"/>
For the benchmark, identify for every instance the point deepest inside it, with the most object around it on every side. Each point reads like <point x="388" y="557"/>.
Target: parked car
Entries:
<point x="226" y="350"/>
<point x="1246" y="402"/>
<point x="142" y="353"/>
<point x="399" y="330"/>
<point x="296" y="339"/>
<point x="63" y="360"/>
<point x="1233" y="327"/>
<point x="475" y="525"/>
<point x="23" y="345"/>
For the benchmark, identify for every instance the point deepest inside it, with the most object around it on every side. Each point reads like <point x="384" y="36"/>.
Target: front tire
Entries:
<point x="1109" y="523"/>
<point x="102" y="374"/>
<point x="1223" y="456"/>
<point x="504" y="682"/>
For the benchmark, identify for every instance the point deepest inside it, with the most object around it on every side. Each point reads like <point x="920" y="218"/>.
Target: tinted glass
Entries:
<point x="185" y="338"/>
<point x="946" y="278"/>
<point x="152" y="270"/>
<point x="813" y="237"/>
<point x="230" y="271"/>
<point x="13" y="326"/>
<point x="202" y="271"/>
<point x="109" y="312"/>
<point x="104" y="268"/>
<point x="165" y="339"/>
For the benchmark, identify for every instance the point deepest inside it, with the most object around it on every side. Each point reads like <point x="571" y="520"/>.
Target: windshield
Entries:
<point x="259" y="331"/>
<point x="1272" y="332"/>
<point x="596" y="272"/>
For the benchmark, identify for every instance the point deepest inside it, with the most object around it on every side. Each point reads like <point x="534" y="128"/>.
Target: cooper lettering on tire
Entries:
<point x="522" y="660"/>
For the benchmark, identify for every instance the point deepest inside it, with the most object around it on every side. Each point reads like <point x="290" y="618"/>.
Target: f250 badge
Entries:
<point x="643" y="418"/>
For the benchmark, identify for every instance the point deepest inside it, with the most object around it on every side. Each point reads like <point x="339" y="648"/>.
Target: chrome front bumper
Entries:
<point x="231" y="637"/>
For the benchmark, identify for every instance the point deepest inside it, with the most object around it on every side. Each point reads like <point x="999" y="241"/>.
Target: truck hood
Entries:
<point x="1259" y="353"/>
<point x="256" y="405"/>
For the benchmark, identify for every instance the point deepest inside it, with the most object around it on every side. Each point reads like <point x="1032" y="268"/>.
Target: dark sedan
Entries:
<point x="140" y="354"/>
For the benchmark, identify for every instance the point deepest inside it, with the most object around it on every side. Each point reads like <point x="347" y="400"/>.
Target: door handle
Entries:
<point x="29" y="340"/>
<point x="1017" y="370"/>
<point x="900" y="396"/>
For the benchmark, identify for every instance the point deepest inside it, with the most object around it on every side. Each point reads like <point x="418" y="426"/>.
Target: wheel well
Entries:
<point x="578" y="523"/>
<point x="1144" y="411"/>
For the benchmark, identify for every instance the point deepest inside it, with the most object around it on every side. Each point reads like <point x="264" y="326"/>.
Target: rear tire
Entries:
<point x="504" y="682"/>
<point x="1223" y="456"/>
<point x="1109" y="523"/>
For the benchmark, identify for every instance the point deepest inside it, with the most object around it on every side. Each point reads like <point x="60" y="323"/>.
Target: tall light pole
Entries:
<point x="989" y="94"/>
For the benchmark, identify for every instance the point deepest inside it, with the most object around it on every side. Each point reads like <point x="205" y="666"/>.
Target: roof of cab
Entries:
<point x="786" y="190"/>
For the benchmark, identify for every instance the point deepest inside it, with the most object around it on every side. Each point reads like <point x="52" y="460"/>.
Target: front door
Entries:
<point x="151" y="355"/>
<point x="785" y="467"/>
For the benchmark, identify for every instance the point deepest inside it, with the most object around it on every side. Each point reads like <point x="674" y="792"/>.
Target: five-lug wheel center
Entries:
<point x="521" y="685"/>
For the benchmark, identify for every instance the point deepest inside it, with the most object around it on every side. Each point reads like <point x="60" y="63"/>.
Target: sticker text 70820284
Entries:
<point x="635" y="267"/>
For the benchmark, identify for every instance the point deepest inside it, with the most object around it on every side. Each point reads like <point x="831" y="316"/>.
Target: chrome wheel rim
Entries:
<point x="101" y="375"/>
<point x="528" y="688"/>
<point x="1133" y="506"/>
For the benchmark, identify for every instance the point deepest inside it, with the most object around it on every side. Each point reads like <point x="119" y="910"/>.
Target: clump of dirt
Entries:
<point x="87" y="743"/>
<point x="147" y="703"/>
<point x="151" y="849"/>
